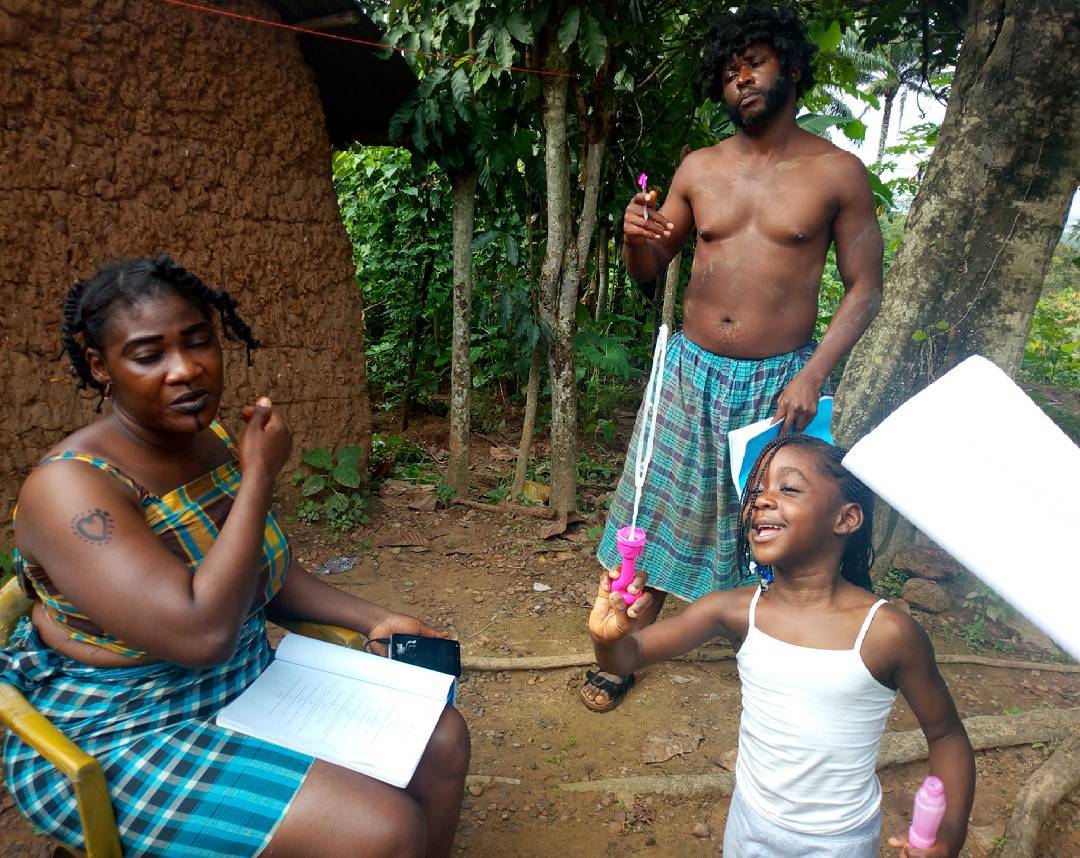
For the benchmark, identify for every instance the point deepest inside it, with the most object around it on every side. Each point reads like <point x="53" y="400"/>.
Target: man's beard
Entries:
<point x="774" y="100"/>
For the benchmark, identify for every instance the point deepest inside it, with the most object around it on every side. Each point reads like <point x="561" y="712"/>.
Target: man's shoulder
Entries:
<point x="831" y="157"/>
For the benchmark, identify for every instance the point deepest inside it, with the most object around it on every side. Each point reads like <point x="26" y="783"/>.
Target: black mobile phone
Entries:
<point x="433" y="653"/>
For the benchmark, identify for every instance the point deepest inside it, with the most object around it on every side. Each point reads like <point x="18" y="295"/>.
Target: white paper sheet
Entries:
<point x="351" y="708"/>
<point x="976" y="466"/>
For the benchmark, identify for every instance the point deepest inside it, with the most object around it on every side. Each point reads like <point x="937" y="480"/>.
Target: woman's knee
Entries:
<point x="449" y="748"/>
<point x="400" y="830"/>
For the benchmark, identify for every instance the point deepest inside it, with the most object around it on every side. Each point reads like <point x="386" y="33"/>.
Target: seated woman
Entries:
<point x="147" y="541"/>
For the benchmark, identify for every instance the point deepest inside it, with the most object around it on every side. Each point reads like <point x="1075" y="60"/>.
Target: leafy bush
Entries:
<point x="330" y="488"/>
<point x="1051" y="352"/>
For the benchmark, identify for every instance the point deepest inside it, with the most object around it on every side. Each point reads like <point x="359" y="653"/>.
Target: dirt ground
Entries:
<point x="504" y="591"/>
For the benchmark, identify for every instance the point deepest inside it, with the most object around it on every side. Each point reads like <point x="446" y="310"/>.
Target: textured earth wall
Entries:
<point x="130" y="128"/>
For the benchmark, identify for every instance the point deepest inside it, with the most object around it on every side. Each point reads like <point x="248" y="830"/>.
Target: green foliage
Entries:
<point x="330" y="488"/>
<point x="1051" y="354"/>
<point x="891" y="584"/>
<point x="986" y="603"/>
<point x="7" y="564"/>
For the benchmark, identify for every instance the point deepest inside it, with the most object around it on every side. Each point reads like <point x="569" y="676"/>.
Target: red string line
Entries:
<point x="251" y="19"/>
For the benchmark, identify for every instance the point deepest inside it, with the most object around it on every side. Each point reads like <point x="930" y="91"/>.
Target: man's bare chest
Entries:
<point x="783" y="206"/>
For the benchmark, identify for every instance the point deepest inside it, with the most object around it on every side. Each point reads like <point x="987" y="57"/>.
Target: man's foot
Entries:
<point x="602" y="692"/>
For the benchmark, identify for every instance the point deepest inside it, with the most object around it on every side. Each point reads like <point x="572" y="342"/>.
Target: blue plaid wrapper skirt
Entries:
<point x="689" y="507"/>
<point x="180" y="785"/>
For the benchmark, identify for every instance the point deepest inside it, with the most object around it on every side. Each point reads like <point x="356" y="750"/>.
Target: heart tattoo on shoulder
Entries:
<point x="94" y="526"/>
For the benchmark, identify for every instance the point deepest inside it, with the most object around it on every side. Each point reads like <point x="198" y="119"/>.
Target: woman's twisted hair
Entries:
<point x="89" y="304"/>
<point x="858" y="554"/>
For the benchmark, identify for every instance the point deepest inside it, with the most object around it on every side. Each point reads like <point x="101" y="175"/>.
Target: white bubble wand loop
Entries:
<point x="629" y="540"/>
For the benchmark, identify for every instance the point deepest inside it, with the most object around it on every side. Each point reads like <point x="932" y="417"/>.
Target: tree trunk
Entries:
<point x="414" y="341"/>
<point x="987" y="217"/>
<point x="671" y="285"/>
<point x="457" y="470"/>
<point x="559" y="257"/>
<point x="886" y="116"/>
<point x="601" y="272"/>
<point x="532" y="396"/>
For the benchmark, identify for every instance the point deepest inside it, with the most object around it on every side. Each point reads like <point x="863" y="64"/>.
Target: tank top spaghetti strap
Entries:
<point x="187" y="520"/>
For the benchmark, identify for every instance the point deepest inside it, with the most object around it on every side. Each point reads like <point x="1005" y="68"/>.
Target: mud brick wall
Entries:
<point x="129" y="127"/>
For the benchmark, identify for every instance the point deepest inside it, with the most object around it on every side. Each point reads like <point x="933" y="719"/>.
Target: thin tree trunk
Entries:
<point x="983" y="227"/>
<point x="886" y="116"/>
<point x="414" y="342"/>
<point x="457" y="470"/>
<point x="900" y="110"/>
<point x="559" y="257"/>
<point x="671" y="285"/>
<point x="532" y="396"/>
<point x="601" y="272"/>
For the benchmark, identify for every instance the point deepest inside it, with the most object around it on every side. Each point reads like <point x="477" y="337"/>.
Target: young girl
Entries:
<point x="819" y="659"/>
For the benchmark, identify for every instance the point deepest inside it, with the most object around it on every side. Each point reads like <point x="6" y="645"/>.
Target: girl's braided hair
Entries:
<point x="858" y="554"/>
<point x="89" y="304"/>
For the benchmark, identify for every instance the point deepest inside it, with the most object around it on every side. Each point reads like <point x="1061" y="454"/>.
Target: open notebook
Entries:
<point x="351" y="708"/>
<point x="746" y="443"/>
<point x="976" y="466"/>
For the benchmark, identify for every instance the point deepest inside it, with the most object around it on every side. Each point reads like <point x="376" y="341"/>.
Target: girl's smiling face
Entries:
<point x="797" y="514"/>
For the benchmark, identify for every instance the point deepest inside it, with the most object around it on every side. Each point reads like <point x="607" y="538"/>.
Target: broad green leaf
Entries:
<point x="854" y="129"/>
<point x="568" y="29"/>
<point x="827" y="38"/>
<point x="593" y="42"/>
<point x="459" y="85"/>
<point x="313" y="485"/>
<point x="485" y="239"/>
<point x="920" y="336"/>
<point x="504" y="47"/>
<point x="346" y="474"/>
<point x="519" y="28"/>
<point x="348" y="456"/>
<point x="319" y="458"/>
<point x="942" y="325"/>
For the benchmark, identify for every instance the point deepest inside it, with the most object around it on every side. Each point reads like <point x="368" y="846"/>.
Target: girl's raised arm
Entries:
<point x="915" y="674"/>
<point x="621" y="647"/>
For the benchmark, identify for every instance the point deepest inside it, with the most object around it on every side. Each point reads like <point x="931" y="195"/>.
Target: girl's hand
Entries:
<point x="906" y="850"/>
<point x="399" y="624"/>
<point x="267" y="438"/>
<point x="611" y="619"/>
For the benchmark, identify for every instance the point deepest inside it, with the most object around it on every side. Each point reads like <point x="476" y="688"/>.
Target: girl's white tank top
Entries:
<point x="811" y="726"/>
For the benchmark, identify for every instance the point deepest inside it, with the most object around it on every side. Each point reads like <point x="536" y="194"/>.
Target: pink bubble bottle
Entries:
<point x="630" y="540"/>
<point x="927" y="813"/>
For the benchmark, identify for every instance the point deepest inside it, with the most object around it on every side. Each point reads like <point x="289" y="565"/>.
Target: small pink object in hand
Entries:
<point x="630" y="544"/>
<point x="927" y="813"/>
<point x="643" y="181"/>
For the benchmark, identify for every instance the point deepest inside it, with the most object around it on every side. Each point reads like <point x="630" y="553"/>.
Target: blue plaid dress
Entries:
<point x="689" y="508"/>
<point x="181" y="786"/>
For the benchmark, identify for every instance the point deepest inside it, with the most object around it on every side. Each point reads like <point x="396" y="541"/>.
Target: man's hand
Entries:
<point x="906" y="850"/>
<point x="399" y="624"/>
<point x="798" y="404"/>
<point x="636" y="229"/>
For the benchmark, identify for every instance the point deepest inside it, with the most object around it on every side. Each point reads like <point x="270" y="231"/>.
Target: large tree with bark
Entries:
<point x="982" y="229"/>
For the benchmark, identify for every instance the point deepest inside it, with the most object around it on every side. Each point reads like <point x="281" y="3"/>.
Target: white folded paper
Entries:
<point x="975" y="465"/>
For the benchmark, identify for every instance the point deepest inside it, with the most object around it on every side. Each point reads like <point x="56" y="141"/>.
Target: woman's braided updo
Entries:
<point x="89" y="304"/>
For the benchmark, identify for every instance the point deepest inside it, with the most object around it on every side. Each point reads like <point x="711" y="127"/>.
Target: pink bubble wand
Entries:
<point x="630" y="540"/>
<point x="643" y="181"/>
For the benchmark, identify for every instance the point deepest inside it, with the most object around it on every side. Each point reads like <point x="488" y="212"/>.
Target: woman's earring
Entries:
<point x="108" y="390"/>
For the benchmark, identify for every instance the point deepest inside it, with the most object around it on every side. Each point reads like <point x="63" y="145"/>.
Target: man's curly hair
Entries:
<point x="732" y="33"/>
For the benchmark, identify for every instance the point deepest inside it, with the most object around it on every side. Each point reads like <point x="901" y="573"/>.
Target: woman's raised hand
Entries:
<point x="611" y="618"/>
<point x="267" y="439"/>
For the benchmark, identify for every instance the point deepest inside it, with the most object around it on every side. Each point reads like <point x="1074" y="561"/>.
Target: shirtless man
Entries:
<point x="766" y="204"/>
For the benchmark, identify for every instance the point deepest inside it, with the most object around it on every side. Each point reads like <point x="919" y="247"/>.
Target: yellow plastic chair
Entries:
<point x="84" y="772"/>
